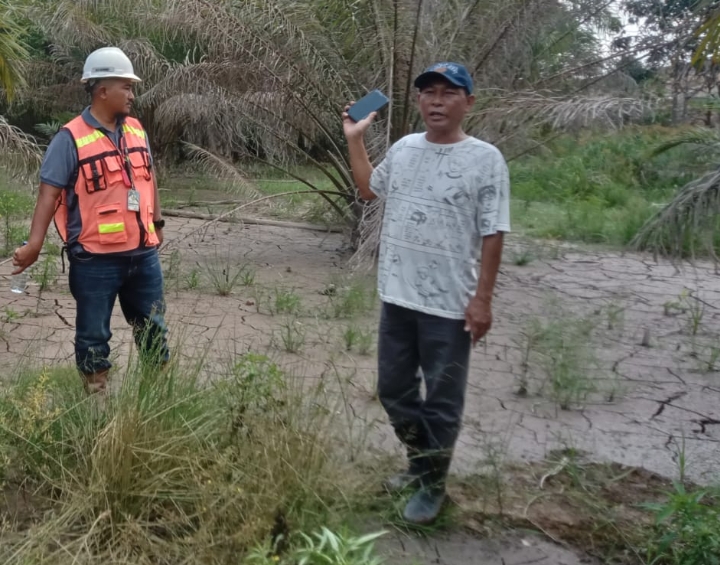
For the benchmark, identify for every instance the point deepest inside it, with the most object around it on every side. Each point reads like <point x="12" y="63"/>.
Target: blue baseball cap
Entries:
<point x="454" y="73"/>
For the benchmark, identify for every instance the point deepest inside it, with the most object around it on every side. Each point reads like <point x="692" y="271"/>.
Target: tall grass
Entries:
<point x="170" y="468"/>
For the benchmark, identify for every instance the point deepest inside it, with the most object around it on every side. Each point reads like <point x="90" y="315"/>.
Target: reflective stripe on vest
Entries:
<point x="83" y="141"/>
<point x="111" y="228"/>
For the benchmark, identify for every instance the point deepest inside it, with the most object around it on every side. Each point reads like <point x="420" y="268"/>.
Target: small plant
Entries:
<point x="256" y="385"/>
<point x="14" y="208"/>
<point x="561" y="346"/>
<point x="686" y="528"/>
<point x="9" y="315"/>
<point x="248" y="276"/>
<point x="350" y="337"/>
<point x="527" y="343"/>
<point x="192" y="279"/>
<point x="525" y="257"/>
<point x="286" y="302"/>
<point x="348" y="300"/>
<point x="46" y="272"/>
<point x="292" y="335"/>
<point x="358" y="339"/>
<point x="695" y="310"/>
<point x="226" y="277"/>
<point x="691" y="306"/>
<point x="262" y="300"/>
<point x="327" y="547"/>
<point x="323" y="548"/>
<point x="710" y="362"/>
<point x="365" y="341"/>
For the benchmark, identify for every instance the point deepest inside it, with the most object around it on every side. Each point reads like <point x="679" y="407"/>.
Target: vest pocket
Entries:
<point x="111" y="224"/>
<point x="94" y="175"/>
<point x="140" y="164"/>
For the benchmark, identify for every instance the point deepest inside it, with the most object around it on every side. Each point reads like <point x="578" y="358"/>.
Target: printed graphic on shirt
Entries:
<point x="440" y="201"/>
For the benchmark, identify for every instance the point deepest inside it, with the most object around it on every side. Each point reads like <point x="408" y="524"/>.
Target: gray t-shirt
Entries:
<point x="60" y="169"/>
<point x="440" y="201"/>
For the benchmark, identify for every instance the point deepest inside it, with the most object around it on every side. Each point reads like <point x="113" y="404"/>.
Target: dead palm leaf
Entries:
<point x="691" y="218"/>
<point x="19" y="153"/>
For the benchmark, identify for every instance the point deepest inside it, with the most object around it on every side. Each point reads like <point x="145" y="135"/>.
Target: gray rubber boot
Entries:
<point x="425" y="505"/>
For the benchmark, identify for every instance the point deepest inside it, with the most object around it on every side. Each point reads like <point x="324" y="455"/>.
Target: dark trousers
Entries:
<point x="429" y="427"/>
<point x="95" y="282"/>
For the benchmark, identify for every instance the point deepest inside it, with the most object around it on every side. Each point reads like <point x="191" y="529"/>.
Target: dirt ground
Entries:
<point x="656" y="383"/>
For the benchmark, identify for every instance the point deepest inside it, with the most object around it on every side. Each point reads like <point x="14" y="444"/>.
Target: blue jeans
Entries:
<point x="95" y="282"/>
<point x="429" y="427"/>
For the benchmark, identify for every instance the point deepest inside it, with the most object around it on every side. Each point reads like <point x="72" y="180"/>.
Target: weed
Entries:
<point x="561" y="345"/>
<point x="350" y="337"/>
<point x="524" y="257"/>
<point x="46" y="272"/>
<point x="709" y="363"/>
<point x="494" y="451"/>
<point x="226" y="277"/>
<point x="192" y="279"/>
<point x="349" y="299"/>
<point x="686" y="528"/>
<point x="327" y="547"/>
<point x="262" y="300"/>
<point x="172" y="469"/>
<point x="527" y="342"/>
<point x="695" y="309"/>
<point x="292" y="335"/>
<point x="15" y="206"/>
<point x="365" y="341"/>
<point x="10" y="315"/>
<point x="359" y="339"/>
<point x="285" y="302"/>
<point x="323" y="548"/>
<point x="248" y="276"/>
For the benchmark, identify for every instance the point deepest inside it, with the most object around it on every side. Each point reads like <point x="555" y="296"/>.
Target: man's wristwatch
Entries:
<point x="159" y="224"/>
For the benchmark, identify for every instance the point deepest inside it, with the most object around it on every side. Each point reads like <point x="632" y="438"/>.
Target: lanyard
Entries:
<point x="127" y="166"/>
<point x="122" y="148"/>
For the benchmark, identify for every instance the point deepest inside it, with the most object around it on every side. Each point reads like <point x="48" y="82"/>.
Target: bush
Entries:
<point x="687" y="529"/>
<point x="168" y="470"/>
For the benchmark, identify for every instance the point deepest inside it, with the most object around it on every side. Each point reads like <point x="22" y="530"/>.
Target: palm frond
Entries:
<point x="19" y="153"/>
<point x="221" y="169"/>
<point x="13" y="53"/>
<point x="690" y="218"/>
<point x="566" y="112"/>
<point x="707" y="137"/>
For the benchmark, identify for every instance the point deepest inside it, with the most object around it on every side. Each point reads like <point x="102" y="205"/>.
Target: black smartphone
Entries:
<point x="371" y="102"/>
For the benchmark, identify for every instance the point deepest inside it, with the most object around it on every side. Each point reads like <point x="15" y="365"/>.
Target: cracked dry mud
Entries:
<point x="663" y="394"/>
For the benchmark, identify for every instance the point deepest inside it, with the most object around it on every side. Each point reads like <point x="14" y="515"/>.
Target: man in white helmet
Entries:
<point x="97" y="181"/>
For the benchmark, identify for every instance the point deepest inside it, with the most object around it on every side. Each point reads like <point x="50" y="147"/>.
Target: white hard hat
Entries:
<point x="108" y="62"/>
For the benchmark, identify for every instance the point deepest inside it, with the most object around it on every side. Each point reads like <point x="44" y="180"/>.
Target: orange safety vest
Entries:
<point x="102" y="193"/>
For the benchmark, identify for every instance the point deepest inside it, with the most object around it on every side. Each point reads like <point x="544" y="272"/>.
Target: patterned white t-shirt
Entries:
<point x="440" y="201"/>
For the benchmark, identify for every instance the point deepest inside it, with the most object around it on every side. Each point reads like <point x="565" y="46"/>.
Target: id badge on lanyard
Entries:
<point x="133" y="198"/>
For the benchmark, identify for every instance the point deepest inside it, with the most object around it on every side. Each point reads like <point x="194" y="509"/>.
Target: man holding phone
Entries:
<point x="447" y="197"/>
